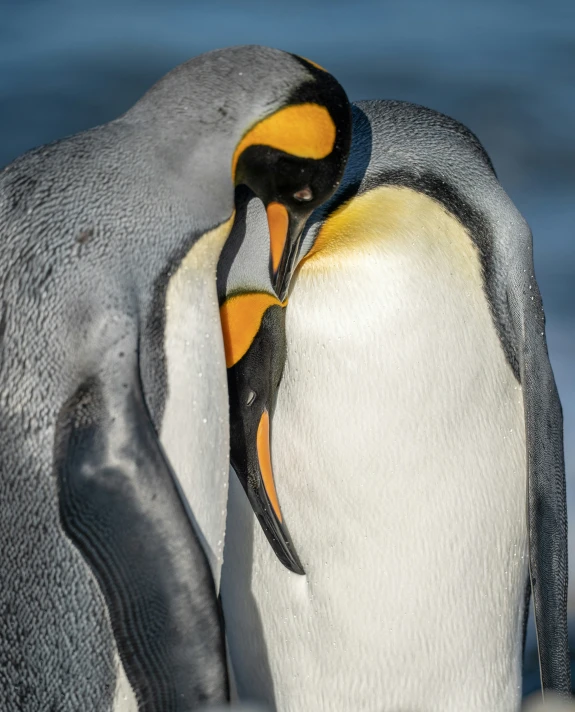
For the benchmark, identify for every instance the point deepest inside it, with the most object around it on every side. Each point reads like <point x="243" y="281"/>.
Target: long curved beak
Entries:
<point x="285" y="235"/>
<point x="261" y="491"/>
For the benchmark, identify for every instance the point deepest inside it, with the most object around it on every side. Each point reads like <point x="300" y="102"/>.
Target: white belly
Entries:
<point x="195" y="429"/>
<point x="399" y="459"/>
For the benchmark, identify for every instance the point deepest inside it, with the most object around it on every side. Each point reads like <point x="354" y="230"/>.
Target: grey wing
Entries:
<point x="120" y="505"/>
<point x="546" y="496"/>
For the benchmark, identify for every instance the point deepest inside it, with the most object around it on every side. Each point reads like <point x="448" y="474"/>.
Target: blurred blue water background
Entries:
<point x="505" y="68"/>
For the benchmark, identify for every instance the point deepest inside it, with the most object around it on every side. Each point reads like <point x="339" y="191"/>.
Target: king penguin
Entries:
<point x="416" y="444"/>
<point x="114" y="427"/>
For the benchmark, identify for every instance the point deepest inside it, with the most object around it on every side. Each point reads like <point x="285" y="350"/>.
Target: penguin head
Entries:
<point x="293" y="160"/>
<point x="254" y="331"/>
<point x="253" y="326"/>
<point x="249" y="116"/>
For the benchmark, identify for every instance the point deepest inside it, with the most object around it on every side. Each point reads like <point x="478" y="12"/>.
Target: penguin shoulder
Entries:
<point x="402" y="126"/>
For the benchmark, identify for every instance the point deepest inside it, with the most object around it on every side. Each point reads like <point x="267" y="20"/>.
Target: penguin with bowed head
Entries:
<point x="114" y="435"/>
<point x="416" y="443"/>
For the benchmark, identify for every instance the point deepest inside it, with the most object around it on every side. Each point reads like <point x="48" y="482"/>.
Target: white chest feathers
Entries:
<point x="399" y="459"/>
<point x="195" y="430"/>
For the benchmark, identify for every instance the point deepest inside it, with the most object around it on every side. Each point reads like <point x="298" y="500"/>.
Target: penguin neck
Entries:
<point x="192" y="137"/>
<point x="187" y="114"/>
<point x="367" y="223"/>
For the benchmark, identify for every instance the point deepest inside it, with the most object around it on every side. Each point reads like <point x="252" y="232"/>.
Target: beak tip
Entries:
<point x="298" y="569"/>
<point x="290" y="559"/>
<point x="276" y="532"/>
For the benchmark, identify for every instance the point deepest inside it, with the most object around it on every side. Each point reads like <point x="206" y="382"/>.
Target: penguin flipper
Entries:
<point x="120" y="505"/>
<point x="546" y="493"/>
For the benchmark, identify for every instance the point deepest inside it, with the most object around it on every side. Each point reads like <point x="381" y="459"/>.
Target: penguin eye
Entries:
<point x="251" y="398"/>
<point x="304" y="195"/>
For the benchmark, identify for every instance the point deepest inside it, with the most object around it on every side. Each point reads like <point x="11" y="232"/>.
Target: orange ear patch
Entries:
<point x="302" y="130"/>
<point x="241" y="317"/>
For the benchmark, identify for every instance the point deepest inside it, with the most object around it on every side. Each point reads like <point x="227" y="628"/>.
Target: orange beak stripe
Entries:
<point x="278" y="221"/>
<point x="265" y="462"/>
